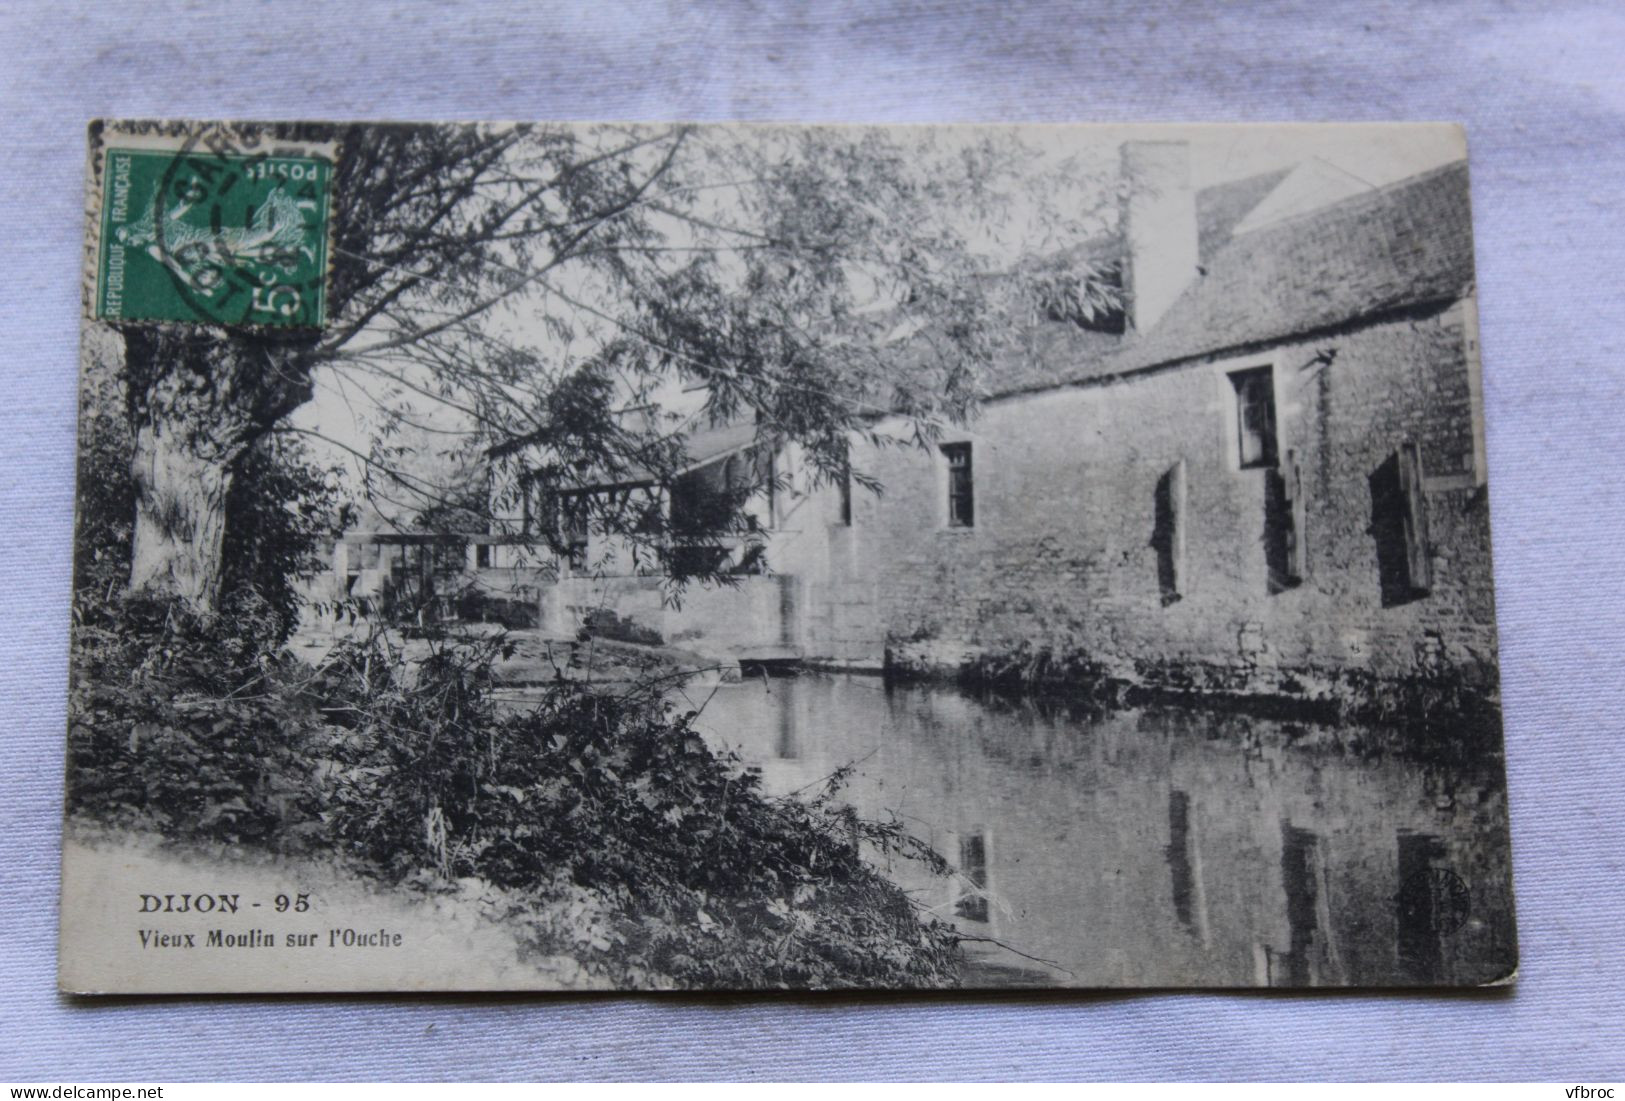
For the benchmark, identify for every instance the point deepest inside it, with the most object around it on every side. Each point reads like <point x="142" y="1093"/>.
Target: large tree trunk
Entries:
<point x="180" y="518"/>
<point x="198" y="399"/>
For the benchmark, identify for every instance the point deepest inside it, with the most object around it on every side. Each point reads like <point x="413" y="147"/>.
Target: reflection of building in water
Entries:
<point x="788" y="746"/>
<point x="1309" y="925"/>
<point x="1145" y="847"/>
<point x="1414" y="903"/>
<point x="973" y="890"/>
<point x="1432" y="903"/>
<point x="1184" y="854"/>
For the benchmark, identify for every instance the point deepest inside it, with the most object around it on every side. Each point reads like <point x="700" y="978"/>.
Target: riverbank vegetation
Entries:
<point x="611" y="833"/>
<point x="616" y="836"/>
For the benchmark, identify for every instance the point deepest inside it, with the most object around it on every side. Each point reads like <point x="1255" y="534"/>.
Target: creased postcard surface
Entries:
<point x="616" y="556"/>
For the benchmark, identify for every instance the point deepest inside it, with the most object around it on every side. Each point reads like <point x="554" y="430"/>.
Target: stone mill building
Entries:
<point x="1266" y="475"/>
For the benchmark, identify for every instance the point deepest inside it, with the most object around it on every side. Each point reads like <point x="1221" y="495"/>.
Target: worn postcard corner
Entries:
<point x="627" y="557"/>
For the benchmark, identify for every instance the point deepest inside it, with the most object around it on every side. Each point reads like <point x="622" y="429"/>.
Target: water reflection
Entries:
<point x="1154" y="846"/>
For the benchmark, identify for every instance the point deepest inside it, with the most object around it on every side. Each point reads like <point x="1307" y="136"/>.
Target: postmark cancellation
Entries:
<point x="210" y="224"/>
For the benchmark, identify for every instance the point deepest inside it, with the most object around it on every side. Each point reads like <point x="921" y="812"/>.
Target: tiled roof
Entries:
<point x="1402" y="245"/>
<point x="1047" y="353"/>
<point x="1220" y="207"/>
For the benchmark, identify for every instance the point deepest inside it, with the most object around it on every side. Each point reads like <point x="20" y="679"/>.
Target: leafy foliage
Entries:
<point x="673" y="865"/>
<point x="281" y="514"/>
<point x="532" y="283"/>
<point x="181" y="723"/>
<point x="614" y="834"/>
<point x="105" y="491"/>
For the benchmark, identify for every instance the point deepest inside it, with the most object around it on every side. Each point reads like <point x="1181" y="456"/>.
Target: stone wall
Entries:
<point x="1066" y="557"/>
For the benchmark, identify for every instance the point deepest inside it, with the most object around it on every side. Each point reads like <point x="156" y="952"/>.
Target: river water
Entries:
<point x="1152" y="847"/>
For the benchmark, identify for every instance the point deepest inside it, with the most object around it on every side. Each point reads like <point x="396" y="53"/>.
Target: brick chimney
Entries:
<point x="1159" y="228"/>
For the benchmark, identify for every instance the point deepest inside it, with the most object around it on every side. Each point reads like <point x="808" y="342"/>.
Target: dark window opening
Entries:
<point x="772" y="491"/>
<point x="1168" y="533"/>
<point x="1399" y="526"/>
<point x="713" y="499"/>
<point x="972" y="904"/>
<point x="1278" y="535"/>
<point x="528" y="490"/>
<point x="1414" y="518"/>
<point x="844" y="487"/>
<point x="961" y="486"/>
<point x="482" y="556"/>
<point x="1297" y="549"/>
<point x="1255" y="416"/>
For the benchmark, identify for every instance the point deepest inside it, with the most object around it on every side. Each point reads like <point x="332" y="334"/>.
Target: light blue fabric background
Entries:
<point x="1542" y="90"/>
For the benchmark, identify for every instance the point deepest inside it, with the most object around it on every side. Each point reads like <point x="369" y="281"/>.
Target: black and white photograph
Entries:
<point x="624" y="557"/>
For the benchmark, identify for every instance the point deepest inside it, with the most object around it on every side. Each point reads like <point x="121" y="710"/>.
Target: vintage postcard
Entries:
<point x="621" y="556"/>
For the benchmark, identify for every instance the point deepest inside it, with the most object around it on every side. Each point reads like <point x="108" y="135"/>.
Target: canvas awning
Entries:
<point x="703" y="447"/>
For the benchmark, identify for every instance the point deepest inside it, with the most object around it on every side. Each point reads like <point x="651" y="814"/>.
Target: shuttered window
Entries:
<point x="961" y="485"/>
<point x="1168" y="535"/>
<point x="1297" y="551"/>
<point x="844" y="487"/>
<point x="1414" y="518"/>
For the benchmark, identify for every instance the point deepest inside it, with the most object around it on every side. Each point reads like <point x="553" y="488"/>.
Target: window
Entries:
<point x="1297" y="550"/>
<point x="1255" y="416"/>
<point x="1168" y="533"/>
<point x="482" y="556"/>
<point x="1399" y="526"/>
<point x="843" y="484"/>
<point x="1414" y="518"/>
<point x="961" y="486"/>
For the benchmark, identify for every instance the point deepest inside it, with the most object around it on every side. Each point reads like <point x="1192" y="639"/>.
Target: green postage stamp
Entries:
<point x="213" y="227"/>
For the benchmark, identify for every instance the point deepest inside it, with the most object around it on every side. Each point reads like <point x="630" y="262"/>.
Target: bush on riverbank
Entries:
<point x="620" y="838"/>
